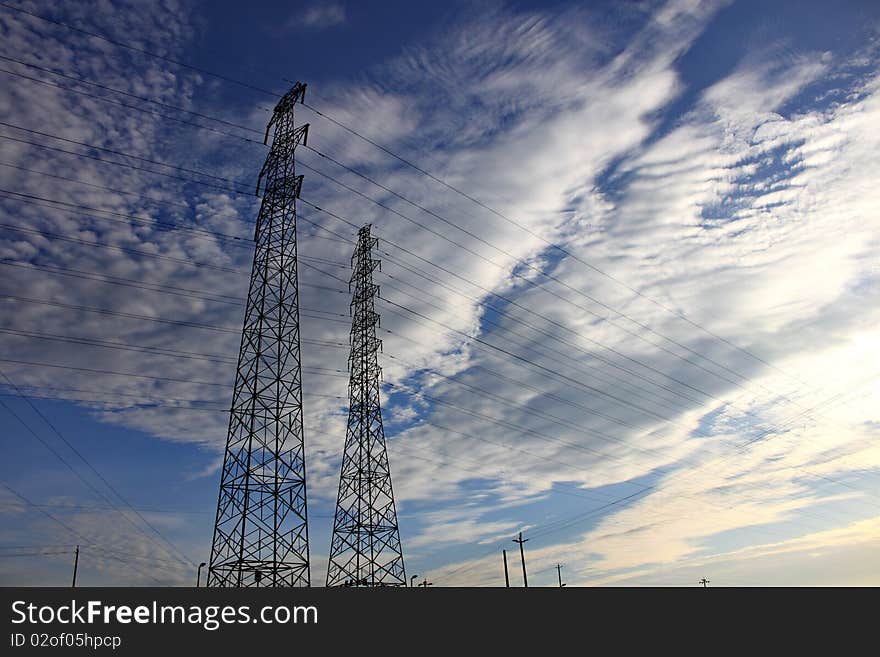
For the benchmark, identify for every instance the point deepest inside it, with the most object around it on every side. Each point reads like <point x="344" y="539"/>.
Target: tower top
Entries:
<point x="296" y="94"/>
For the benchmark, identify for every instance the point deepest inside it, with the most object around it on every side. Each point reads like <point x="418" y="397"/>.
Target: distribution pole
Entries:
<point x="559" y="574"/>
<point x="75" y="565"/>
<point x="365" y="546"/>
<point x="261" y="532"/>
<point x="522" y="555"/>
<point x="506" y="575"/>
<point x="705" y="583"/>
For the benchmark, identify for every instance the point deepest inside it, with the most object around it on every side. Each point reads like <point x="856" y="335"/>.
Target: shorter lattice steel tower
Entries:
<point x="365" y="549"/>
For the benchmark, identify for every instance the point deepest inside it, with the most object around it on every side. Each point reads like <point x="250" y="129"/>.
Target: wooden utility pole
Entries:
<point x="522" y="556"/>
<point x="506" y="575"/>
<point x="559" y="574"/>
<point x="75" y="565"/>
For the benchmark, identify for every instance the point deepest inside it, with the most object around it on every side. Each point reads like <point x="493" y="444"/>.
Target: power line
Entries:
<point x="697" y="433"/>
<point x="482" y="391"/>
<point x="565" y="523"/>
<point x="533" y="433"/>
<point x="534" y="364"/>
<point x="598" y="316"/>
<point x="420" y="170"/>
<point x="564" y="359"/>
<point x="733" y="345"/>
<point x="61" y="523"/>
<point x="547" y="334"/>
<point x="571" y="490"/>
<point x="323" y="261"/>
<point x="482" y="257"/>
<point x="83" y="507"/>
<point x="127" y="282"/>
<point x="148" y="318"/>
<point x="340" y="373"/>
<point x="568" y="329"/>
<point x="148" y="254"/>
<point x="54" y="546"/>
<point x="341" y="279"/>
<point x="117" y="103"/>
<point x="91" y="83"/>
<point x="112" y="151"/>
<point x="372" y="181"/>
<point x="459" y="432"/>
<point x="124" y="346"/>
<point x="551" y="277"/>
<point x="149" y="199"/>
<point x="94" y="470"/>
<point x="42" y="201"/>
<point x="550" y="244"/>
<point x="503" y="298"/>
<point x="124" y="249"/>
<point x="175" y="353"/>
<point x="435" y="400"/>
<point x="94" y="370"/>
<point x="234" y="240"/>
<point x="340" y="239"/>
<point x="567" y="363"/>
<point x="127" y="165"/>
<point x="54" y="518"/>
<point x="158" y="351"/>
<point x="604" y="507"/>
<point x="142" y="51"/>
<point x="27" y="198"/>
<point x="34" y="554"/>
<point x="138" y="317"/>
<point x="325" y="372"/>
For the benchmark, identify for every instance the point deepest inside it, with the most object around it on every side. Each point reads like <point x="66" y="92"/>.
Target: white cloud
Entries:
<point x="319" y="16"/>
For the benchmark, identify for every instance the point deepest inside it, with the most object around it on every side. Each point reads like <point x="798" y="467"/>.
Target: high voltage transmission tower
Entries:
<point x="261" y="535"/>
<point x="365" y="549"/>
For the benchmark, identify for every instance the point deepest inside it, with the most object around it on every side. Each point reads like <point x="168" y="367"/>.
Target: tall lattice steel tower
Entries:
<point x="261" y="535"/>
<point x="365" y="549"/>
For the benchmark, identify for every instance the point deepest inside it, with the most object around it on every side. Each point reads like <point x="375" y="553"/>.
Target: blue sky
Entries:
<point x="695" y="379"/>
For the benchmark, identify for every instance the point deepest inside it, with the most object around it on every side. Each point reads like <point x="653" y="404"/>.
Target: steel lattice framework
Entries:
<point x="365" y="549"/>
<point x="261" y="535"/>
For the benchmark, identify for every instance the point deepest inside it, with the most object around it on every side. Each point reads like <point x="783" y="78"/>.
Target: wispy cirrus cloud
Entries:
<point x="319" y="16"/>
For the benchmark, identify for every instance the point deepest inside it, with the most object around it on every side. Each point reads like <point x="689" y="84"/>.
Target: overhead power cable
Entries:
<point x="408" y="163"/>
<point x="168" y="544"/>
<point x="91" y="83"/>
<point x="562" y="298"/>
<point x="143" y="51"/>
